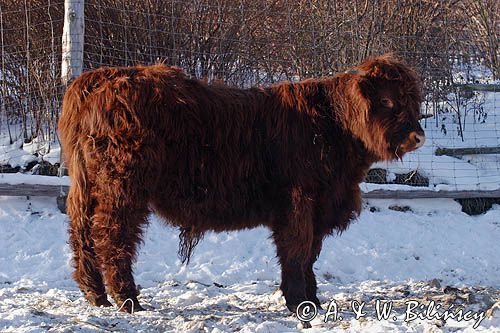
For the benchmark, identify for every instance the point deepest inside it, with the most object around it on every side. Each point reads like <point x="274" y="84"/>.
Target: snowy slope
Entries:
<point x="232" y="282"/>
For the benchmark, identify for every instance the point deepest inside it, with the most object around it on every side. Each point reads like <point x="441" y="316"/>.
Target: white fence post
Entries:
<point x="72" y="40"/>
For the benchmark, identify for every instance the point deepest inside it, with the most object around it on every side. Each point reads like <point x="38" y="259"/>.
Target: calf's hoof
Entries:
<point x="98" y="300"/>
<point x="293" y="300"/>
<point x="293" y="305"/>
<point x="316" y="302"/>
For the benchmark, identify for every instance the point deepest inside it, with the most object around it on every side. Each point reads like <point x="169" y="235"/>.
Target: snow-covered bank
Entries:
<point x="232" y="282"/>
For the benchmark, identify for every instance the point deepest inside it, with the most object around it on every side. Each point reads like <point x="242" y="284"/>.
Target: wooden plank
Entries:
<point x="55" y="190"/>
<point x="479" y="87"/>
<point x="467" y="151"/>
<point x="32" y="190"/>
<point x="422" y="194"/>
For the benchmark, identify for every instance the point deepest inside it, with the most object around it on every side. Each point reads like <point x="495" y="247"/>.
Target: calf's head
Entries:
<point x="385" y="96"/>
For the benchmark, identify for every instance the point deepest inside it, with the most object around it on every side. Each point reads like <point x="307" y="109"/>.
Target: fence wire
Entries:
<point x="454" y="45"/>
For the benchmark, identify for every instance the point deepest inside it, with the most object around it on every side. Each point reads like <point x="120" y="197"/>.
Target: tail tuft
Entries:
<point x="188" y="239"/>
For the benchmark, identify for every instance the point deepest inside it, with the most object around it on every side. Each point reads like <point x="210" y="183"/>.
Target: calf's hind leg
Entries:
<point x="118" y="219"/>
<point x="87" y="272"/>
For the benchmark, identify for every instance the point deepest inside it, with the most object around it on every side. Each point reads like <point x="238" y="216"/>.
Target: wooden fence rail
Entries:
<point x="480" y="87"/>
<point x="33" y="190"/>
<point x="58" y="190"/>
<point x="423" y="194"/>
<point x="467" y="151"/>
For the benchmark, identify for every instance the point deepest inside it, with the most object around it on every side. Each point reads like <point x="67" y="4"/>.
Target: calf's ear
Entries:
<point x="360" y="90"/>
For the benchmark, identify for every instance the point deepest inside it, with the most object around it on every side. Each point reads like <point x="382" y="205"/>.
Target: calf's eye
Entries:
<point x="386" y="102"/>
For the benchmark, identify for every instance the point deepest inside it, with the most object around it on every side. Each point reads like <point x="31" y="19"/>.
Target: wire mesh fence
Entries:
<point x="454" y="45"/>
<point x="30" y="88"/>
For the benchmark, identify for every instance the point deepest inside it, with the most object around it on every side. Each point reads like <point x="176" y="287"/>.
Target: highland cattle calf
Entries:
<point x="211" y="157"/>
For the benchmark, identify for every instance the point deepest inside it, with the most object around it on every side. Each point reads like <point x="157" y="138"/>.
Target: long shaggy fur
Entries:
<point x="210" y="157"/>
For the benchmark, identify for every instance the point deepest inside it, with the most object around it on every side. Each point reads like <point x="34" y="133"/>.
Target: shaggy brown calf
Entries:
<point x="204" y="157"/>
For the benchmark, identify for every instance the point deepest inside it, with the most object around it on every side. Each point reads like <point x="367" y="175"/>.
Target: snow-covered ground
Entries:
<point x="19" y="153"/>
<point x="431" y="252"/>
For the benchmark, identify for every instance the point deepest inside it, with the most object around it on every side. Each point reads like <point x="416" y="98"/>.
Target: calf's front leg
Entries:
<point x="310" y="278"/>
<point x="293" y="242"/>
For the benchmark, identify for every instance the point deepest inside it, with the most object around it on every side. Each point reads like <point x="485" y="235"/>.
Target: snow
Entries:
<point x="13" y="154"/>
<point x="50" y="152"/>
<point x="20" y="154"/>
<point x="232" y="281"/>
<point x="22" y="178"/>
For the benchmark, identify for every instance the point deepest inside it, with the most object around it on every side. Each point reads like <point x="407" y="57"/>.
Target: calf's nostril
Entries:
<point x="419" y="139"/>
